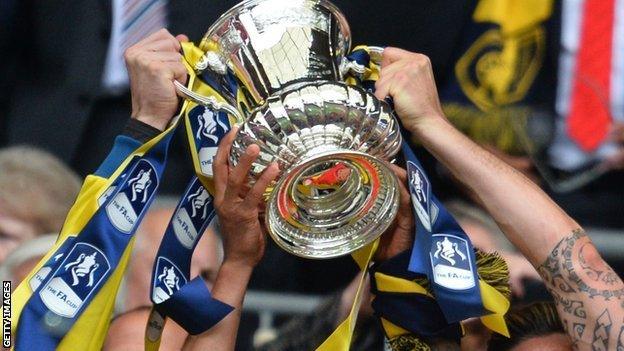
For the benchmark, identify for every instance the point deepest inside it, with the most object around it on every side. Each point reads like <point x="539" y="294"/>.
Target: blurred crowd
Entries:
<point x="508" y="74"/>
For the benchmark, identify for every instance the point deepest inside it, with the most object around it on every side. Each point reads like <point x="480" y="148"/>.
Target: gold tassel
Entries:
<point x="408" y="342"/>
<point x="493" y="270"/>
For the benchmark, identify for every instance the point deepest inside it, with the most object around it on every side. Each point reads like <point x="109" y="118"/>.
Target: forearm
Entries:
<point x="587" y="292"/>
<point x="229" y="287"/>
<point x="529" y="218"/>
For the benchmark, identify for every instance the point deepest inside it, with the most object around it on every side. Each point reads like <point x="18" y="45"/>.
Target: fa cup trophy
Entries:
<point x="335" y="192"/>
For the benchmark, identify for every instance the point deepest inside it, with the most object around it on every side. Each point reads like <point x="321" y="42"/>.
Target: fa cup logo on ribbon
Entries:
<point x="420" y="193"/>
<point x="75" y="279"/>
<point x="125" y="208"/>
<point x="191" y="216"/>
<point x="451" y="264"/>
<point x="209" y="127"/>
<point x="168" y="281"/>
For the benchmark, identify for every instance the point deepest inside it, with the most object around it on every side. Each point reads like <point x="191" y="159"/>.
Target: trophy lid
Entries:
<point x="270" y="44"/>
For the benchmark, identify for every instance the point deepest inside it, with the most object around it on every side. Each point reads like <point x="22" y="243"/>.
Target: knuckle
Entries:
<point x="175" y="44"/>
<point x="129" y="53"/>
<point x="163" y="31"/>
<point x="401" y="77"/>
<point x="154" y="66"/>
<point x="424" y="60"/>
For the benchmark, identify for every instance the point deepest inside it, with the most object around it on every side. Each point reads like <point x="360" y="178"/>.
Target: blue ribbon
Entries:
<point x="442" y="251"/>
<point x="189" y="303"/>
<point x="417" y="313"/>
<point x="50" y="265"/>
<point x="90" y="259"/>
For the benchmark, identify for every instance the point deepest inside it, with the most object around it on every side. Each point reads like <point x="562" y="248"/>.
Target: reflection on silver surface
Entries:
<point x="335" y="192"/>
<point x="270" y="44"/>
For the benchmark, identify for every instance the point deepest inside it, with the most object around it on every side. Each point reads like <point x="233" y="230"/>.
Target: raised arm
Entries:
<point x="589" y="295"/>
<point x="153" y="65"/>
<point x="238" y="209"/>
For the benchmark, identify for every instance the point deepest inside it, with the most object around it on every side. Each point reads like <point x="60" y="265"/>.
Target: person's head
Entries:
<point x="534" y="327"/>
<point x="20" y="262"/>
<point x="36" y="192"/>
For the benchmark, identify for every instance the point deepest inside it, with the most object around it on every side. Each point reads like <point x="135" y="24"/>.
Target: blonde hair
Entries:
<point x="37" y="187"/>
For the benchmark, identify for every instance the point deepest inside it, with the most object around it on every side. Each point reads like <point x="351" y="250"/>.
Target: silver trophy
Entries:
<point x="331" y="140"/>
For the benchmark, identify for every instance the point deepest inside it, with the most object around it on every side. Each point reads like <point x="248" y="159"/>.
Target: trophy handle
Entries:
<point x="208" y="101"/>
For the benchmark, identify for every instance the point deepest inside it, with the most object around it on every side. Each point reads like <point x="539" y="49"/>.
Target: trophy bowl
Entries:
<point x="335" y="192"/>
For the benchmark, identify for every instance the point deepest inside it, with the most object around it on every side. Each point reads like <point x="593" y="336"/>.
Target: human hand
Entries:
<point x="400" y="236"/>
<point x="237" y="204"/>
<point x="408" y="78"/>
<point x="153" y="64"/>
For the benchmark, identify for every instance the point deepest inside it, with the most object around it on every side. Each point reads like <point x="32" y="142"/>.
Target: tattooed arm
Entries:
<point x="587" y="292"/>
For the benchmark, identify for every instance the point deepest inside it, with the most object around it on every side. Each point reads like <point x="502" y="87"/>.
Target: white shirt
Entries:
<point x="115" y="77"/>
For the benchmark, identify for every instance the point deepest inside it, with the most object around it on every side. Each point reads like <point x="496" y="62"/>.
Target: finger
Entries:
<point x="220" y="163"/>
<point x="166" y="45"/>
<point x="391" y="54"/>
<point x="387" y="77"/>
<point x="404" y="201"/>
<point x="168" y="70"/>
<point x="163" y="56"/>
<point x="182" y="38"/>
<point x="238" y="175"/>
<point x="399" y="172"/>
<point x="381" y="88"/>
<point x="390" y="70"/>
<point x="160" y="34"/>
<point x="179" y="71"/>
<point x="256" y="194"/>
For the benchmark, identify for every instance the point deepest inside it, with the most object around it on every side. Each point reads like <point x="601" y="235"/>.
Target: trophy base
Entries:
<point x="331" y="204"/>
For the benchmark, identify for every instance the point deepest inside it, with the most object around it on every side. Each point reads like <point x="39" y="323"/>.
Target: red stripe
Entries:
<point x="590" y="116"/>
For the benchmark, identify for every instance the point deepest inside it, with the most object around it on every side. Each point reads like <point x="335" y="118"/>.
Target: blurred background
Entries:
<point x="540" y="83"/>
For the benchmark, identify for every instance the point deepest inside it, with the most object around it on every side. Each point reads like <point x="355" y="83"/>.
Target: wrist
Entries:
<point x="159" y="123"/>
<point x="424" y="124"/>
<point x="239" y="267"/>
<point x="231" y="283"/>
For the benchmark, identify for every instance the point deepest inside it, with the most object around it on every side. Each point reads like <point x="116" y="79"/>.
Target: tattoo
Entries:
<point x="579" y="329"/>
<point x="606" y="276"/>
<point x="588" y="293"/>
<point x="601" y="332"/>
<point x="560" y="275"/>
<point x="575" y="308"/>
